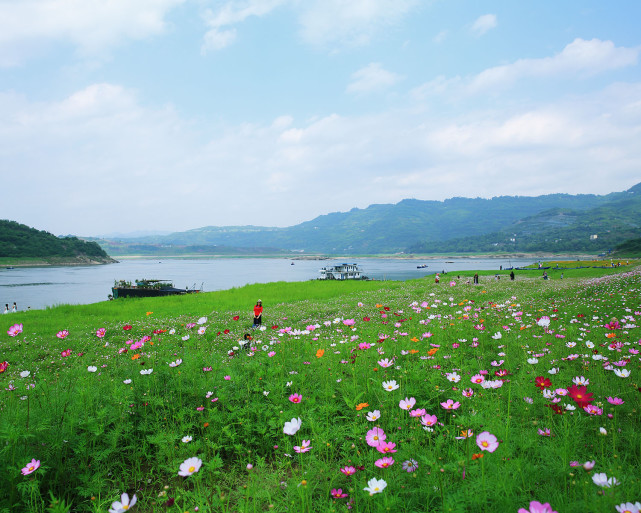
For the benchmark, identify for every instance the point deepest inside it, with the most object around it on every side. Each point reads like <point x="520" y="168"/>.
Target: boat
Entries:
<point x="422" y="266"/>
<point x="342" y="272"/>
<point x="148" y="288"/>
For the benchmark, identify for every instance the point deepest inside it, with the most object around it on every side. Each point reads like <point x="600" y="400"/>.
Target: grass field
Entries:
<point x="370" y="396"/>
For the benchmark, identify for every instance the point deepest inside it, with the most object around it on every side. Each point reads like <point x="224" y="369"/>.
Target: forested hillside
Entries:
<point x="20" y="241"/>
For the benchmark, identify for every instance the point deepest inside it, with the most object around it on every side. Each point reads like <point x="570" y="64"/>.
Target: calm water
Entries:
<point x="40" y="287"/>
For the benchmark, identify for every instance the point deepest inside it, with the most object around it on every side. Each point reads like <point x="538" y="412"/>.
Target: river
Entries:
<point x="41" y="287"/>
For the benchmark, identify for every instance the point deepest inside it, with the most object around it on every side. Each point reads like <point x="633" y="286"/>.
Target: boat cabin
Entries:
<point x="342" y="272"/>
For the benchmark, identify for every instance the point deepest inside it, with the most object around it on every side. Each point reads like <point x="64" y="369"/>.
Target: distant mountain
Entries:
<point x="417" y="226"/>
<point x="19" y="241"/>
<point x="595" y="229"/>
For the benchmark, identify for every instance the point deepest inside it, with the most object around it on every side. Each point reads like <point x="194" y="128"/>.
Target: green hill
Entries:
<point x="20" y="242"/>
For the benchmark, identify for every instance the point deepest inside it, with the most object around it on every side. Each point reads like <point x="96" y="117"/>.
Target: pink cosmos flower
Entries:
<point x="428" y="420"/>
<point x="65" y="353"/>
<point x="304" y="447"/>
<point x="101" y="332"/>
<point x="487" y="441"/>
<point x="296" y="398"/>
<point x="62" y="334"/>
<point x="386" y="447"/>
<point x="419" y="412"/>
<point x="615" y="400"/>
<point x="468" y="392"/>
<point x="593" y="410"/>
<point x="477" y="378"/>
<point x="14" y="330"/>
<point x="589" y="465"/>
<point x="348" y="471"/>
<point x="30" y="467"/>
<point x="545" y="432"/>
<point x="338" y="494"/>
<point x="348" y="322"/>
<point x="386" y="362"/>
<point x="271" y="353"/>
<point x="450" y="404"/>
<point x="537" y="507"/>
<point x="384" y="462"/>
<point x="375" y="436"/>
<point x="407" y="404"/>
<point x="227" y="378"/>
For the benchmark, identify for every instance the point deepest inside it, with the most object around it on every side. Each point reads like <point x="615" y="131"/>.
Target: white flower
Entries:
<point x="186" y="337"/>
<point x="589" y="344"/>
<point x="373" y="415"/>
<point x="553" y="370"/>
<point x="453" y="377"/>
<point x="202" y="330"/>
<point x="390" y="385"/>
<point x="628" y="507"/>
<point x="497" y="335"/>
<point x="265" y="393"/>
<point x="570" y="407"/>
<point x="544" y="321"/>
<point x="570" y="344"/>
<point x="176" y="363"/>
<point x="375" y="486"/>
<point x="622" y="373"/>
<point x="146" y="371"/>
<point x="532" y="360"/>
<point x="603" y="431"/>
<point x="127" y="381"/>
<point x="202" y="320"/>
<point x="172" y="331"/>
<point x="186" y="439"/>
<point x="292" y="426"/>
<point x="603" y="481"/>
<point x="580" y="381"/>
<point x="124" y="505"/>
<point x="190" y="466"/>
<point x="92" y="368"/>
<point x="25" y="374"/>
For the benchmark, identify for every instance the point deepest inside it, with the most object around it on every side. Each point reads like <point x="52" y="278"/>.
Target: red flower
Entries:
<point x="236" y="317"/>
<point x="580" y="395"/>
<point x="275" y="327"/>
<point x="226" y="332"/>
<point x="3" y="366"/>
<point x="556" y="408"/>
<point x="542" y="382"/>
<point x="126" y="327"/>
<point x="366" y="319"/>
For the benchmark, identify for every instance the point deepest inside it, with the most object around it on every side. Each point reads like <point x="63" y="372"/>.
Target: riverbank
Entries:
<point x="54" y="262"/>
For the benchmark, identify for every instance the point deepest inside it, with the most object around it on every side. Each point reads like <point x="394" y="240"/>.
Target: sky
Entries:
<point x="119" y="116"/>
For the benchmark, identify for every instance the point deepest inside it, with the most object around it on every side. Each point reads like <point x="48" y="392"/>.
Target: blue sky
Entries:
<point x="118" y="116"/>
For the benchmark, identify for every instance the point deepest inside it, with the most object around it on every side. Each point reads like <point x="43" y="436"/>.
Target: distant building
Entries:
<point x="594" y="237"/>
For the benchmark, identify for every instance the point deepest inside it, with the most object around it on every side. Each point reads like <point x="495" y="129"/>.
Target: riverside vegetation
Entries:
<point x="371" y="396"/>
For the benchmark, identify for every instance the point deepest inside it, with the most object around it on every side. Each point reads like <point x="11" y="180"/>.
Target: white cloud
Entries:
<point x="372" y="78"/>
<point x="336" y="22"/>
<point x="28" y="26"/>
<point x="73" y="160"/>
<point x="219" y="34"/>
<point x="580" y="58"/>
<point x="484" y="23"/>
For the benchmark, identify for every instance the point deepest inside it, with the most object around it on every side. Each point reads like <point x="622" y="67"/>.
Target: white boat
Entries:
<point x="342" y="272"/>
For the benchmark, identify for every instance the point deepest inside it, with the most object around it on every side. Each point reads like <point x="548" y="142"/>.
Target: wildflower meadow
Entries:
<point x="507" y="396"/>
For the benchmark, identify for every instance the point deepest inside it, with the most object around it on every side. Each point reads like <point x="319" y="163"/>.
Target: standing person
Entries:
<point x="436" y="278"/>
<point x="545" y="275"/>
<point x="476" y="278"/>
<point x="15" y="308"/>
<point x="6" y="308"/>
<point x="258" y="313"/>
<point x="512" y="275"/>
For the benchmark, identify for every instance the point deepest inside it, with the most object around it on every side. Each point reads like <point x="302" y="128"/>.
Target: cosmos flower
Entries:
<point x="375" y="486"/>
<point x="295" y="398"/>
<point x="537" y="507"/>
<point x="62" y="334"/>
<point x="348" y="471"/>
<point x="292" y="426"/>
<point x="487" y="441"/>
<point x="622" y="373"/>
<point x="124" y="505"/>
<point x="30" y="467"/>
<point x="407" y="404"/>
<point x="390" y="385"/>
<point x="450" y="404"/>
<point x="375" y="436"/>
<point x="338" y="494"/>
<point x="410" y="465"/>
<point x="373" y="415"/>
<point x="304" y="447"/>
<point x="14" y="330"/>
<point x="190" y="466"/>
<point x="384" y="462"/>
<point x="603" y="481"/>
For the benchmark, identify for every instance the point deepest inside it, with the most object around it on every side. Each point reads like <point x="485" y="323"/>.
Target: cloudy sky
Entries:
<point x="121" y="115"/>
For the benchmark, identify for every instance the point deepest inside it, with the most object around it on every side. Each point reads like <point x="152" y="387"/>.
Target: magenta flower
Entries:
<point x="615" y="400"/>
<point x="348" y="471"/>
<point x="65" y="353"/>
<point x="450" y="405"/>
<point x="338" y="494"/>
<point x="14" y="330"/>
<point x="428" y="420"/>
<point x="304" y="447"/>
<point x="101" y="332"/>
<point x="62" y="334"/>
<point x="593" y="410"/>
<point x="545" y="432"/>
<point x="227" y="378"/>
<point x="32" y="466"/>
<point x="386" y="447"/>
<point x="348" y="322"/>
<point x="296" y="398"/>
<point x="407" y="404"/>
<point x="375" y="436"/>
<point x="468" y="392"/>
<point x="537" y="507"/>
<point x="487" y="441"/>
<point x="384" y="462"/>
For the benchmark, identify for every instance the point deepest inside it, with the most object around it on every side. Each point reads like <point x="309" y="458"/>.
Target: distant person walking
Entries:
<point x="258" y="313"/>
<point x="476" y="278"/>
<point x="512" y="275"/>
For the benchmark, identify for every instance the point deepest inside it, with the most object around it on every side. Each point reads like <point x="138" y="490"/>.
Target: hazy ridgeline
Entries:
<point x="66" y="400"/>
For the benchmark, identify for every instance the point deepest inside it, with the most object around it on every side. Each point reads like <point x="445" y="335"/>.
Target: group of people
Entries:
<point x="13" y="310"/>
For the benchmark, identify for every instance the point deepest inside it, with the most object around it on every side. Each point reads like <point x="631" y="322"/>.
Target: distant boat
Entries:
<point x="292" y="263"/>
<point x="342" y="272"/>
<point x="422" y="266"/>
<point x="148" y="288"/>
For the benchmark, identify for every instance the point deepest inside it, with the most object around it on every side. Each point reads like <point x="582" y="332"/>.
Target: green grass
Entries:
<point x="97" y="437"/>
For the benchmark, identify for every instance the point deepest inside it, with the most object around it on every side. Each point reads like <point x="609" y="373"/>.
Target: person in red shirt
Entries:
<point x="258" y="313"/>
